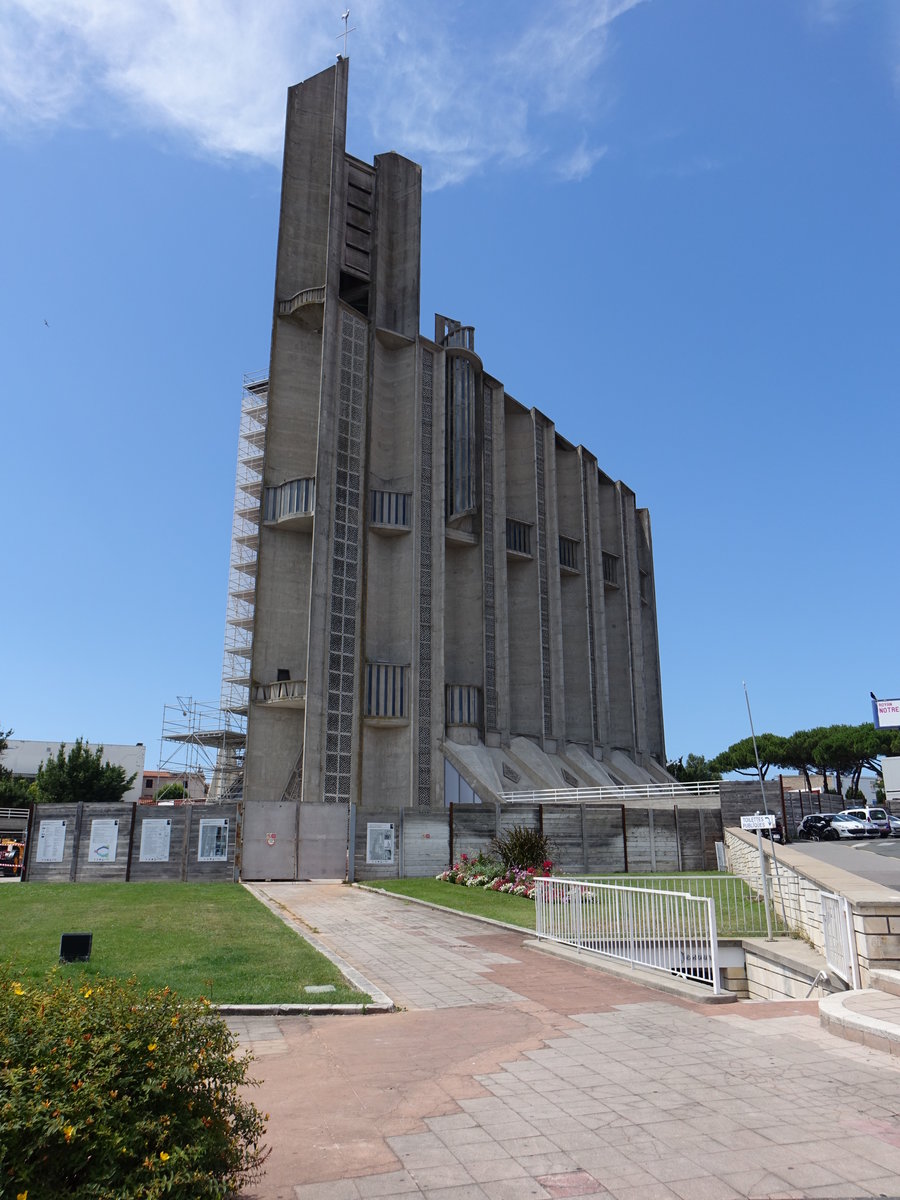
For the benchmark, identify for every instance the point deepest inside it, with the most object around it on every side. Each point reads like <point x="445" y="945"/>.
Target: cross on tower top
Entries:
<point x="345" y="17"/>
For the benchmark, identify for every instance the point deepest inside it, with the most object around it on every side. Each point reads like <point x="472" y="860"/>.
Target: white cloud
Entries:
<point x="434" y="83"/>
<point x="579" y="164"/>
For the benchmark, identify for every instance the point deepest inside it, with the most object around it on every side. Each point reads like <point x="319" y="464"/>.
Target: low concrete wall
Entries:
<point x="799" y="880"/>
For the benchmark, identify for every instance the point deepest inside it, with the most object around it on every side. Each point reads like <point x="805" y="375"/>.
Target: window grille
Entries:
<point x="610" y="569"/>
<point x="390" y="508"/>
<point x="296" y="497"/>
<point x="645" y="586"/>
<point x="463" y="704"/>
<point x="568" y="553"/>
<point x="387" y="690"/>
<point x="460" y="385"/>
<point x="518" y="537"/>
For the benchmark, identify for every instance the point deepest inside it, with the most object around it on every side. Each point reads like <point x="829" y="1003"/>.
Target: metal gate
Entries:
<point x="324" y="836"/>
<point x="269" y="847"/>
<point x="840" y="940"/>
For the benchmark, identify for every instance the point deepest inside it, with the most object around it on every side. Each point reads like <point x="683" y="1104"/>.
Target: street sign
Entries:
<point x="758" y="821"/>
<point x="886" y="714"/>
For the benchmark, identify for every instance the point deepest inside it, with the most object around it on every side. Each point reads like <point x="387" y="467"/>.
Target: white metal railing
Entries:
<point x="840" y="939"/>
<point x="607" y="795"/>
<point x="282" y="691"/>
<point x="667" y="931"/>
<point x="740" y="910"/>
<point x="13" y="814"/>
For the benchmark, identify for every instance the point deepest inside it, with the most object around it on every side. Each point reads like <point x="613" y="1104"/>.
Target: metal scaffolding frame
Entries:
<point x="202" y="736"/>
<point x="199" y="738"/>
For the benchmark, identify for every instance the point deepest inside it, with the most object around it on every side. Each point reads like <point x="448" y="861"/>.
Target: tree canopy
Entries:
<point x="14" y="793"/>
<point x="693" y="769"/>
<point x="80" y="776"/>
<point x="841" y="750"/>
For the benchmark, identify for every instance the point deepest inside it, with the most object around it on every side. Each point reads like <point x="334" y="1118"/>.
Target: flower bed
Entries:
<point x="488" y="873"/>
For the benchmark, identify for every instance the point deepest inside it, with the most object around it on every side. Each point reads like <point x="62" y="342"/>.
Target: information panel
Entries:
<point x="155" y="838"/>
<point x="51" y="843"/>
<point x="212" y="845"/>
<point x="380" y="843"/>
<point x="104" y="841"/>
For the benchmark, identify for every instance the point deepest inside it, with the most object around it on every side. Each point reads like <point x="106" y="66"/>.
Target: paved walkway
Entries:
<point x="513" y="1074"/>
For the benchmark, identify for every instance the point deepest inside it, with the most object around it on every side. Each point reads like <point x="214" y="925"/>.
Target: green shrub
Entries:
<point x="109" y="1091"/>
<point x="522" y="847"/>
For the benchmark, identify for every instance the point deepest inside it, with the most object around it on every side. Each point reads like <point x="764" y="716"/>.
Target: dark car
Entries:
<point x="817" y="827"/>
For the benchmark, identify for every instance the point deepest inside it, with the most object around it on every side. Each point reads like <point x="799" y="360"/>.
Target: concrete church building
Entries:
<point x="441" y="598"/>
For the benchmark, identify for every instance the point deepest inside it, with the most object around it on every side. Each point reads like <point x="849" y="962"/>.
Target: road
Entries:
<point x="876" y="860"/>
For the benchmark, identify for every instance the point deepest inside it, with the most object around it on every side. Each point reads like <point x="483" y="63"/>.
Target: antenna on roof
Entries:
<point x="345" y="17"/>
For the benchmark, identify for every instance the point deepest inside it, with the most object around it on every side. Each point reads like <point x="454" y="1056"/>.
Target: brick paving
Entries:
<point x="513" y="1074"/>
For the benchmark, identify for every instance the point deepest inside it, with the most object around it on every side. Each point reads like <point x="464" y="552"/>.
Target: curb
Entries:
<point x="380" y="1002"/>
<point x="843" y="1022"/>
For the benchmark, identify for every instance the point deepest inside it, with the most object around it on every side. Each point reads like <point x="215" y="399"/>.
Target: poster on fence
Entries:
<point x="212" y="844"/>
<point x="104" y="841"/>
<point x="380" y="843"/>
<point x="51" y="842"/>
<point x="155" y="838"/>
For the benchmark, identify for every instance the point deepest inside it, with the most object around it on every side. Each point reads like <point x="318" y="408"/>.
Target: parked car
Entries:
<point x="873" y="816"/>
<point x="895" y="825"/>
<point x="818" y="827"/>
<point x="851" y="827"/>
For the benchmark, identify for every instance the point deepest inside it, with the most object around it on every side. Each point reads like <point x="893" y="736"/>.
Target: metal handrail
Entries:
<point x="611" y="795"/>
<point x="673" y="932"/>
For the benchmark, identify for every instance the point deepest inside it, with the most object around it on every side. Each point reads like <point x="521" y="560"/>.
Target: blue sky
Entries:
<point x="672" y="222"/>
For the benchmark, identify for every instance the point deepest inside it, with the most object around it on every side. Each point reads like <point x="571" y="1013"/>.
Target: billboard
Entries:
<point x="886" y="714"/>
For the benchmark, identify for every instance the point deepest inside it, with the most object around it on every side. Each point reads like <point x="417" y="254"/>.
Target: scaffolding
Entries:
<point x="199" y="738"/>
<point x="207" y="737"/>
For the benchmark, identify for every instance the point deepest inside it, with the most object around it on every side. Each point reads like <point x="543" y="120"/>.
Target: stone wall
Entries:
<point x="799" y="880"/>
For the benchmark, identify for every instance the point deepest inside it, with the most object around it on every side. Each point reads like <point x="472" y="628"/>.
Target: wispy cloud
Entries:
<point x="215" y="72"/>
<point x="831" y="12"/>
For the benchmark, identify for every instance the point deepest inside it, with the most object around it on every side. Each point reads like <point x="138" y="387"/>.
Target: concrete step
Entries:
<point x="886" y="981"/>
<point x="869" y="1016"/>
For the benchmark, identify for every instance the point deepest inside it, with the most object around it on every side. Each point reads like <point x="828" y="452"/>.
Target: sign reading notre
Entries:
<point x="886" y="714"/>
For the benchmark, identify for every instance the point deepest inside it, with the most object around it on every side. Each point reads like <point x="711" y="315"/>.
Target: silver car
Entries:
<point x="876" y="817"/>
<point x="848" y="826"/>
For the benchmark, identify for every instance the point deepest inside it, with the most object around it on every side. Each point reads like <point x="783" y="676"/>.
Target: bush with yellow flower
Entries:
<point x="108" y="1090"/>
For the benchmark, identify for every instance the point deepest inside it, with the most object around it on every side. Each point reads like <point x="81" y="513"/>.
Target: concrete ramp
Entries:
<point x="493" y="772"/>
<point x="594" y="772"/>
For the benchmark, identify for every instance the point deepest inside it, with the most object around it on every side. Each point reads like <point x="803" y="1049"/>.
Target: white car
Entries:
<point x="851" y="827"/>
<point x="875" y="818"/>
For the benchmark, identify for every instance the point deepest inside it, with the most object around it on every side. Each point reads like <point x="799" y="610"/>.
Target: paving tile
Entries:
<point x="336" y="1189"/>
<point x="493" y="1169"/>
<point x="469" y="1191"/>
<point x="428" y="1178"/>
<point x="391" y="1183"/>
<point x="514" y="1189"/>
<point x="569" y="1183"/>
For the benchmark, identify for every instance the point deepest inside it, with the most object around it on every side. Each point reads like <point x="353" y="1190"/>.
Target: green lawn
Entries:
<point x="738" y="912"/>
<point x="204" y="939"/>
<point x="478" y="902"/>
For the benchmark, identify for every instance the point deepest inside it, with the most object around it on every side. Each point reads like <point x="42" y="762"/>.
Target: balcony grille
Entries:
<point x="295" y="498"/>
<point x="518" y="537"/>
<point x="568" y="553"/>
<point x="390" y="508"/>
<point x="387" y="690"/>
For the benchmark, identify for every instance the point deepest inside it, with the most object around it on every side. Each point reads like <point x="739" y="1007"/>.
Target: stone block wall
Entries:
<point x="875" y="910"/>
